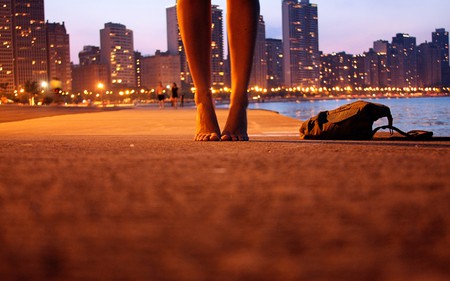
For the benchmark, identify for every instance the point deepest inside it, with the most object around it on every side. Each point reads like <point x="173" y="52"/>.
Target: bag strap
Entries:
<point x="414" y="134"/>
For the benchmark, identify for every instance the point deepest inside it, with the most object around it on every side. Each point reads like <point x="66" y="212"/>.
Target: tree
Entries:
<point x="31" y="91"/>
<point x="3" y="95"/>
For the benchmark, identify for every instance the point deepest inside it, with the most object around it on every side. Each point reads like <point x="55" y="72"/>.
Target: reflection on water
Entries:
<point x="431" y="114"/>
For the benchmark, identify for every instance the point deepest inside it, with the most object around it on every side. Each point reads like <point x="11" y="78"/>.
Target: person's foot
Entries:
<point x="236" y="126"/>
<point x="207" y="125"/>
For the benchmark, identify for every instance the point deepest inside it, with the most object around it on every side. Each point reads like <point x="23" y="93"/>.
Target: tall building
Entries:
<point x="6" y="49"/>
<point x="429" y="65"/>
<point x="274" y="49"/>
<point x="29" y="42"/>
<point x="372" y="68"/>
<point x="117" y="52"/>
<point x="336" y="70"/>
<point x="89" y="55"/>
<point x="174" y="44"/>
<point x="175" y="47"/>
<point x="59" y="65"/>
<point x="217" y="48"/>
<point x="138" y="62"/>
<point x="403" y="55"/>
<point x="382" y="49"/>
<point x="441" y="40"/>
<point x="358" y="71"/>
<point x="258" y="77"/>
<point x="300" y="43"/>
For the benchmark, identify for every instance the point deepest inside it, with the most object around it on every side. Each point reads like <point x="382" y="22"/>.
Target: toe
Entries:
<point x="226" y="137"/>
<point x="214" y="137"/>
<point x="207" y="137"/>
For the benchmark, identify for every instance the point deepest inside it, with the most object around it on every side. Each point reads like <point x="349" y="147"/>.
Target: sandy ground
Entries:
<point x="127" y="195"/>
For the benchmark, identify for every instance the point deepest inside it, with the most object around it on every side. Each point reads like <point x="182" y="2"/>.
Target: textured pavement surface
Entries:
<point x="127" y="195"/>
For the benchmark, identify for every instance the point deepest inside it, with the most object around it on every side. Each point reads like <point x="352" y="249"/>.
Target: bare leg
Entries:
<point x="194" y="17"/>
<point x="242" y="22"/>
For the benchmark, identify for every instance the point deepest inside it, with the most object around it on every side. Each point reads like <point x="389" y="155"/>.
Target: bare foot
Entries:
<point x="207" y="125"/>
<point x="236" y="126"/>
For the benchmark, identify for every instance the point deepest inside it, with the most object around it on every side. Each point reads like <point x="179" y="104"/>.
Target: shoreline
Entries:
<point x="12" y="112"/>
<point x="345" y="97"/>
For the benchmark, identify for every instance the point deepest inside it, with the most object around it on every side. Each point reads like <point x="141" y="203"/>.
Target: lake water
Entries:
<point x="431" y="114"/>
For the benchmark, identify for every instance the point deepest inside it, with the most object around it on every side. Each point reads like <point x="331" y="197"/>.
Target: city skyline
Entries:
<point x="344" y="25"/>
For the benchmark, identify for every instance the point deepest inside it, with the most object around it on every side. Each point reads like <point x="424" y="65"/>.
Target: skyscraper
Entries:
<point x="175" y="46"/>
<point x="274" y="49"/>
<point x="258" y="77"/>
<point x="300" y="43"/>
<point x="381" y="49"/>
<point x="138" y="63"/>
<point x="403" y="61"/>
<point x="29" y="41"/>
<point x="6" y="49"/>
<point x="429" y="65"/>
<point x="173" y="31"/>
<point x="217" y="51"/>
<point x="59" y="65"/>
<point x="336" y="70"/>
<point x="441" y="40"/>
<point x="372" y="68"/>
<point x="358" y="71"/>
<point x="117" y="52"/>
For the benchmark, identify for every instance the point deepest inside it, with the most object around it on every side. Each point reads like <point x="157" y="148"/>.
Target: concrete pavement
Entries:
<point x="127" y="195"/>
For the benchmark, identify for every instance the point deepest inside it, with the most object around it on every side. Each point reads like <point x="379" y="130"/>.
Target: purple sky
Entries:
<point x="344" y="25"/>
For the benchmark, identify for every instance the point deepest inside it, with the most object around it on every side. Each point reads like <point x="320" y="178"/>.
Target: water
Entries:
<point x="430" y="114"/>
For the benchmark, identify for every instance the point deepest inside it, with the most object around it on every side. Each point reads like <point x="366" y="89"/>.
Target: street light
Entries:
<point x="44" y="89"/>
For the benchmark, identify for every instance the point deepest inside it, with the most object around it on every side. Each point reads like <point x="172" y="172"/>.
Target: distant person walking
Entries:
<point x="175" y="95"/>
<point x="195" y="25"/>
<point x="160" y="95"/>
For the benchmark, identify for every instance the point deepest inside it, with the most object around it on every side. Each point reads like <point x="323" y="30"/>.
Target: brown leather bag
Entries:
<point x="352" y="121"/>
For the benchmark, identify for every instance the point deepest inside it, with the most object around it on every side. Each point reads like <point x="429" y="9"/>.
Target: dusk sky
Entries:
<point x="344" y="25"/>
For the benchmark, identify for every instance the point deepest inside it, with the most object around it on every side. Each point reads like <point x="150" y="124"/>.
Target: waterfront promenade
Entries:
<point x="128" y="195"/>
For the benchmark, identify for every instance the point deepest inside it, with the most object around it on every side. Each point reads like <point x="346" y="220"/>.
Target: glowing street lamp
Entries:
<point x="100" y="87"/>
<point x="44" y="87"/>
